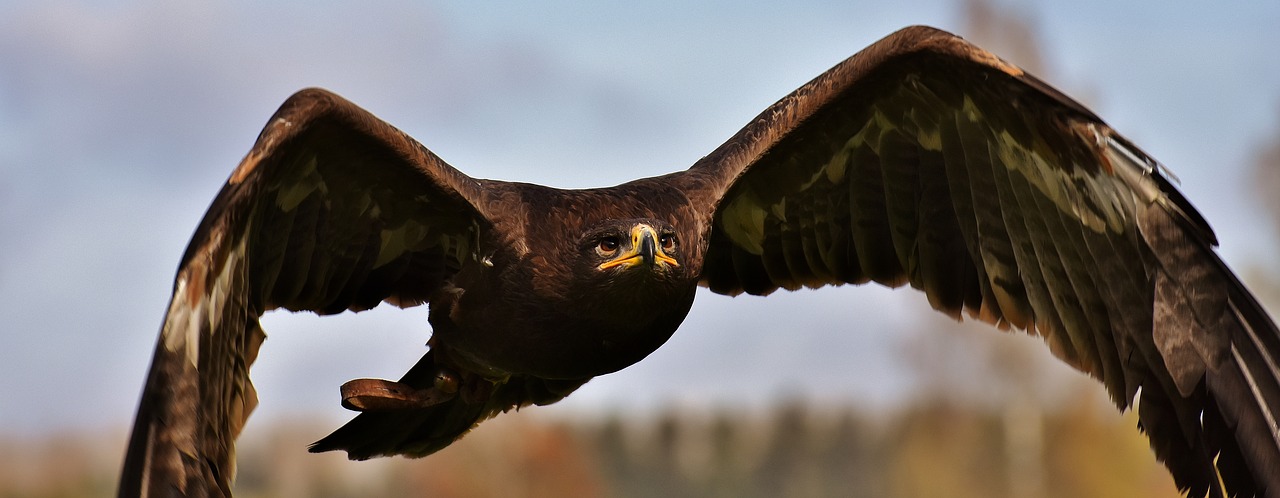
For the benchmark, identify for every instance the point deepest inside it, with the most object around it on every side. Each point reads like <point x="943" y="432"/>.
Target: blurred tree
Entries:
<point x="1266" y="172"/>
<point x="850" y="451"/>
<point x="1005" y="30"/>
<point x="788" y="465"/>
<point x="727" y="462"/>
<point x="1264" y="279"/>
<point x="946" y="450"/>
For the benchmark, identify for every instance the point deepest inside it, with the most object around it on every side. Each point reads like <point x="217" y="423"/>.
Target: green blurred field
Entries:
<point x="793" y="449"/>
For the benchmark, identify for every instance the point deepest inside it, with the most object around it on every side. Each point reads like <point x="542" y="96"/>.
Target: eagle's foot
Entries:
<point x="364" y="395"/>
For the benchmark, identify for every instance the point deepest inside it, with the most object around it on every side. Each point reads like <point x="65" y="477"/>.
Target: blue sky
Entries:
<point x="119" y="122"/>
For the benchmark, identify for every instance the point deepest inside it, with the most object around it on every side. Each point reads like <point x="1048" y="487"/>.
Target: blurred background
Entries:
<point x="119" y="121"/>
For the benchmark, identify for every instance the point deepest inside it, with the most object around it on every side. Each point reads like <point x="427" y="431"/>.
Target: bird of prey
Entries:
<point x="922" y="160"/>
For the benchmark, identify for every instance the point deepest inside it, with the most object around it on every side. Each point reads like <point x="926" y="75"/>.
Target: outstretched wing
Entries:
<point x="927" y="161"/>
<point x="331" y="210"/>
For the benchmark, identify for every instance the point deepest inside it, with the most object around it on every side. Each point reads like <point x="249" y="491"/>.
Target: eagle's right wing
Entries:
<point x="332" y="209"/>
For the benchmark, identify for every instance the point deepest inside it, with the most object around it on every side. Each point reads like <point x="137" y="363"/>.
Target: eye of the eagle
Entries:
<point x="608" y="246"/>
<point x="667" y="240"/>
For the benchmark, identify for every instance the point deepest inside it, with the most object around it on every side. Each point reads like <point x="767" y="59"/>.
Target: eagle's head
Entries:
<point x="630" y="269"/>
<point x="631" y="289"/>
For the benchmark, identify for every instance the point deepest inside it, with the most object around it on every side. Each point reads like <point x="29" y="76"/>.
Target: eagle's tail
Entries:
<point x="421" y="431"/>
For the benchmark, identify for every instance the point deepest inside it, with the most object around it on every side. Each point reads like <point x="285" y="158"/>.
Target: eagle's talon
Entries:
<point x="446" y="382"/>
<point x="383" y="395"/>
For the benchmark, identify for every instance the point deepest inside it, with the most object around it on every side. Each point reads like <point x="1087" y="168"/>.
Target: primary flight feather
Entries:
<point x="921" y="160"/>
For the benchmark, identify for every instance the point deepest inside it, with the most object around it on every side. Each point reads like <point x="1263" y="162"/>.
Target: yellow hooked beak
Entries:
<point x="644" y="248"/>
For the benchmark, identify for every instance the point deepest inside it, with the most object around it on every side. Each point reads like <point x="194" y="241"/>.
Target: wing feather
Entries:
<point x="934" y="163"/>
<point x="331" y="210"/>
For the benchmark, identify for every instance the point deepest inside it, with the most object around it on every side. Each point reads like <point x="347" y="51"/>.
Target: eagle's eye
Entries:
<point x="607" y="246"/>
<point x="668" y="241"/>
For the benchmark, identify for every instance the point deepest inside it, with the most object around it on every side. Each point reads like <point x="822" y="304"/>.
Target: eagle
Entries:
<point x="922" y="160"/>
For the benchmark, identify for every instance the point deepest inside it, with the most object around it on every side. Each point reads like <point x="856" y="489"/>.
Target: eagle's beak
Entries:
<point x="648" y="246"/>
<point x="644" y="249"/>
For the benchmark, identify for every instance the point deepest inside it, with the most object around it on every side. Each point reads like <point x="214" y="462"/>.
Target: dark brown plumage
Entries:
<point x="921" y="160"/>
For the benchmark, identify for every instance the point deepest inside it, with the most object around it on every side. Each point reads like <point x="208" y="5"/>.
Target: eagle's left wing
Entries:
<point x="927" y="161"/>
